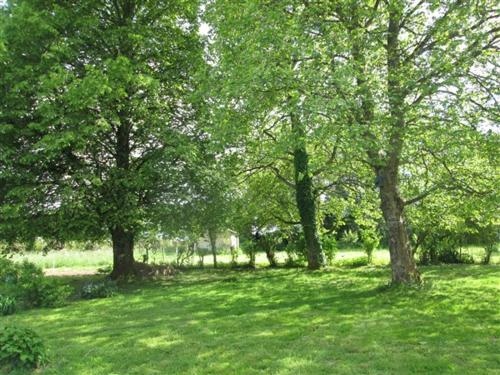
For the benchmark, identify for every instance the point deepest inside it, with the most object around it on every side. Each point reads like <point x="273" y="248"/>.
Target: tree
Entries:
<point x="271" y="98"/>
<point x="96" y="116"/>
<point x="414" y="66"/>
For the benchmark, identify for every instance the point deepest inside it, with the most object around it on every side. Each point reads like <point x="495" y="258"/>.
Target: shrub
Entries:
<point x="354" y="262"/>
<point x="235" y="252"/>
<point x="21" y="347"/>
<point x="296" y="248"/>
<point x="371" y="241"/>
<point x="46" y="293"/>
<point x="489" y="250"/>
<point x="249" y="248"/>
<point x="443" y="249"/>
<point x="7" y="305"/>
<point x="98" y="289"/>
<point x="8" y="272"/>
<point x="329" y="244"/>
<point x="27" y="284"/>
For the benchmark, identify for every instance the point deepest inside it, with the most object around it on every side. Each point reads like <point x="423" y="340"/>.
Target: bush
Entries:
<point x="442" y="249"/>
<point x="489" y="250"/>
<point x="235" y="252"/>
<point x="296" y="248"/>
<point x="249" y="248"/>
<point x="46" y="293"/>
<point x="371" y="241"/>
<point x="354" y="262"/>
<point x="329" y="244"/>
<point x="98" y="289"/>
<point x="21" y="347"/>
<point x="7" y="305"/>
<point x="27" y="284"/>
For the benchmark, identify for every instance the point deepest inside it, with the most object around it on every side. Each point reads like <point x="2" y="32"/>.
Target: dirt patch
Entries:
<point x="70" y="271"/>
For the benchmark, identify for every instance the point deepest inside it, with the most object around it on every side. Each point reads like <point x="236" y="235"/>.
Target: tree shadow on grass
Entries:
<point x="276" y="322"/>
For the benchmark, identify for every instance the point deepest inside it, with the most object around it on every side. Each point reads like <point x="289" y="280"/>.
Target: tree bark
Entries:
<point x="212" y="235"/>
<point x="305" y="198"/>
<point x="403" y="265"/>
<point x="386" y="166"/>
<point x="123" y="253"/>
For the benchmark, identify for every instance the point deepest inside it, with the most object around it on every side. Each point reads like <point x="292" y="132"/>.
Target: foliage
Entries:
<point x="21" y="347"/>
<point x="350" y="237"/>
<point x="7" y="305"/>
<point x="371" y="240"/>
<point x="354" y="262"/>
<point x="27" y="284"/>
<point x="96" y="100"/>
<point x="250" y="249"/>
<point x="98" y="289"/>
<point x="441" y="248"/>
<point x="295" y="247"/>
<point x="489" y="250"/>
<point x="330" y="248"/>
<point x="235" y="252"/>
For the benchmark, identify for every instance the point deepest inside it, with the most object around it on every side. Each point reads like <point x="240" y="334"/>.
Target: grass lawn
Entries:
<point x="283" y="321"/>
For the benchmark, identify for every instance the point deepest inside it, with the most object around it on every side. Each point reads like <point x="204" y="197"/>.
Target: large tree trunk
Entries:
<point x="123" y="253"/>
<point x="403" y="265"/>
<point x="386" y="164"/>
<point x="304" y="194"/>
<point x="212" y="235"/>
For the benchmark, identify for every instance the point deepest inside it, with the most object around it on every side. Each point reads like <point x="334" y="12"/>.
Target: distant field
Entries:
<point x="94" y="259"/>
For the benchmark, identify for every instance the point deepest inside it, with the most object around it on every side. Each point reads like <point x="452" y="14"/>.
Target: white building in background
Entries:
<point x="226" y="239"/>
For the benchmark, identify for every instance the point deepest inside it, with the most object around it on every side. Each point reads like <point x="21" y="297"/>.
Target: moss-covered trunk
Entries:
<point x="305" y="198"/>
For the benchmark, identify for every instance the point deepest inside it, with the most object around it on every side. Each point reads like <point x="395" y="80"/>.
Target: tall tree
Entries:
<point x="414" y="63"/>
<point x="271" y="92"/>
<point x="95" y="107"/>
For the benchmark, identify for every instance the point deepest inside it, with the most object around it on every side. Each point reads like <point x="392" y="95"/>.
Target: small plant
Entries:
<point x="371" y="241"/>
<point x="235" y="252"/>
<point x="7" y="305"/>
<point x="329" y="244"/>
<point x="98" y="289"/>
<point x="21" y="347"/>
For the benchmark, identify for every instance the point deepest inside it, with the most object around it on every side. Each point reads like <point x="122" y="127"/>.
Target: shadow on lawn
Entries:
<point x="266" y="320"/>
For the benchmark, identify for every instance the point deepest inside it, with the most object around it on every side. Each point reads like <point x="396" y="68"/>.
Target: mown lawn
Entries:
<point x="284" y="321"/>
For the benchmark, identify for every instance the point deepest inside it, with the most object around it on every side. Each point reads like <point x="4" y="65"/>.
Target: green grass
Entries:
<point x="283" y="321"/>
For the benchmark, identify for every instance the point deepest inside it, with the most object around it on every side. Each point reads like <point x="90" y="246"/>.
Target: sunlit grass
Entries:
<point x="93" y="259"/>
<point x="283" y="321"/>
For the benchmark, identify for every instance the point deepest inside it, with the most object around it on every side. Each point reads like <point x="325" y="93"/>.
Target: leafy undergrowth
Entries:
<point x="283" y="321"/>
